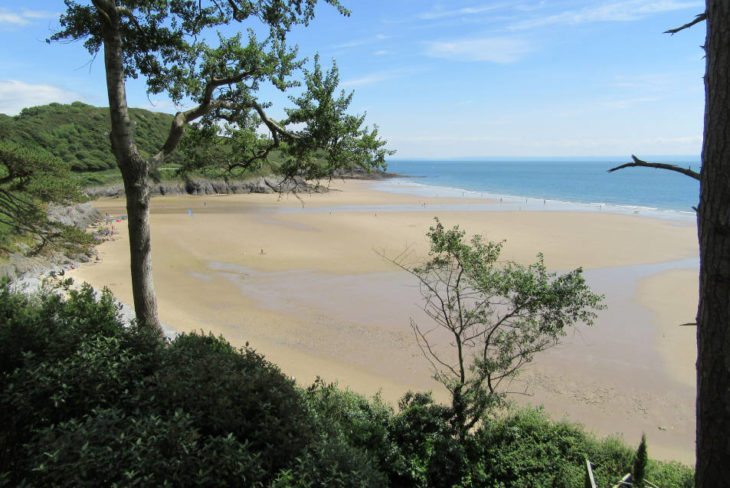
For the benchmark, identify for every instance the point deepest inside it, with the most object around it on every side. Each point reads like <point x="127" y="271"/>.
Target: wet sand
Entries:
<point x="305" y="283"/>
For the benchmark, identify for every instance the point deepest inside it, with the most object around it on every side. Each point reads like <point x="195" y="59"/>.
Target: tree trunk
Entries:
<point x="135" y="170"/>
<point x="458" y="407"/>
<point x="140" y="251"/>
<point x="713" y="315"/>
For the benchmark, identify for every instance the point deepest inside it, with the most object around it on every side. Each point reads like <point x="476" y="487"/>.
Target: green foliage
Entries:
<point x="29" y="180"/>
<point x="88" y="400"/>
<point x="229" y="391"/>
<point x="332" y="140"/>
<point x="332" y="462"/>
<point x="497" y="315"/>
<point x="638" y="470"/>
<point x="318" y="138"/>
<point x="108" y="448"/>
<point x="78" y="134"/>
<point x="353" y="444"/>
<point x="670" y="474"/>
<point x="420" y="426"/>
<point x="362" y="422"/>
<point x="226" y="152"/>
<point x="526" y="449"/>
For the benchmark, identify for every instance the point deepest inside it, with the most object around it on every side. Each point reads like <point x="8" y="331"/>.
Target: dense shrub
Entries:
<point x="332" y="462"/>
<point x="526" y="449"/>
<point x="670" y="474"/>
<point x="353" y="444"/>
<point x="59" y="359"/>
<point x="85" y="399"/>
<point x="230" y="391"/>
<point x="360" y="422"/>
<point x="420" y="432"/>
<point x="108" y="447"/>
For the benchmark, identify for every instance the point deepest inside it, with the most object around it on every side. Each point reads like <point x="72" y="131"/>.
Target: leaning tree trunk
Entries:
<point x="134" y="173"/>
<point x="713" y="316"/>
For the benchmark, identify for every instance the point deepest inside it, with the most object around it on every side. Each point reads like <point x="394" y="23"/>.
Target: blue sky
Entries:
<point x="453" y="78"/>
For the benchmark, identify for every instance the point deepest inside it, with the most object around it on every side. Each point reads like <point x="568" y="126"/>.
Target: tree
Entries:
<point x="29" y="180"/>
<point x="641" y="459"/>
<point x="497" y="316"/>
<point x="713" y="225"/>
<point x="169" y="45"/>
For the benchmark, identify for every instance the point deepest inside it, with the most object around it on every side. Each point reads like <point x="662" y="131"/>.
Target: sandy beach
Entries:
<point x="303" y="281"/>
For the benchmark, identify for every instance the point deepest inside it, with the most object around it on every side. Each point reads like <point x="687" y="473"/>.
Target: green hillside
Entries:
<point x="78" y="134"/>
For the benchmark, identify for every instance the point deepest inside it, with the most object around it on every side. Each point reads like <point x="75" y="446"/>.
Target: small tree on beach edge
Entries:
<point x="496" y="315"/>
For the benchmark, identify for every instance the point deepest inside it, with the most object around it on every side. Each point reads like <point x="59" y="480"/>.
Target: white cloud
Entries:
<point x="370" y="79"/>
<point x="647" y="82"/>
<point x="362" y="42"/>
<point x="384" y="75"/>
<point x="490" y="49"/>
<point x="23" y="17"/>
<point x="621" y="11"/>
<point x="16" y="95"/>
<point x="38" y="14"/>
<point x="162" y="105"/>
<point x="464" y="11"/>
<point x="624" y="103"/>
<point x="11" y="18"/>
<point x="439" y="146"/>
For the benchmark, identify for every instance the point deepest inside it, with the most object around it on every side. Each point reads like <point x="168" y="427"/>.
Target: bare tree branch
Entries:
<point x="700" y="17"/>
<point x="669" y="167"/>
<point x="181" y="119"/>
<point x="427" y="351"/>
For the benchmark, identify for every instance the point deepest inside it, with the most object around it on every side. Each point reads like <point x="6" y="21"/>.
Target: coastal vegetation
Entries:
<point x="90" y="401"/>
<point x="77" y="134"/>
<point x="31" y="180"/>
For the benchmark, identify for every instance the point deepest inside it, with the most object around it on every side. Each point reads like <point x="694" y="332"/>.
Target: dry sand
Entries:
<point x="305" y="283"/>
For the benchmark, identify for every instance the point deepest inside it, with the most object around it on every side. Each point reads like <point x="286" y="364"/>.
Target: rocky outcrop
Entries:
<point x="27" y="270"/>
<point x="80" y="216"/>
<point x="363" y="174"/>
<point x="204" y="186"/>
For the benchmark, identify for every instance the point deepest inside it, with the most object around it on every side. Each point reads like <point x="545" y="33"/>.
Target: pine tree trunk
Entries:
<point x="135" y="171"/>
<point x="713" y="316"/>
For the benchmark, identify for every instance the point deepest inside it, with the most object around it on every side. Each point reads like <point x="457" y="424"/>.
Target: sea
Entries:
<point x="577" y="184"/>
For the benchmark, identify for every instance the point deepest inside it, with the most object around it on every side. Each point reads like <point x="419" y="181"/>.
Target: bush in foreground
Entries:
<point x="87" y="401"/>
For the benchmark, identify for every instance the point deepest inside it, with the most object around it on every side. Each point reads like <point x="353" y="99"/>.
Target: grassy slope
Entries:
<point x="79" y="134"/>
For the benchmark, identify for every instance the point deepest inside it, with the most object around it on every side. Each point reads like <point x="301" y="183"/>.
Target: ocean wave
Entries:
<point x="501" y="201"/>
